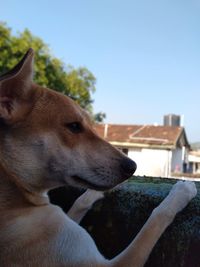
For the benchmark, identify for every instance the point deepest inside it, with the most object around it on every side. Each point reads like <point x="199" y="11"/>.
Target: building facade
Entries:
<point x="158" y="150"/>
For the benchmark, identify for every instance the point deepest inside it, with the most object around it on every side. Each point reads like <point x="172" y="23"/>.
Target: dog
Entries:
<point x="47" y="141"/>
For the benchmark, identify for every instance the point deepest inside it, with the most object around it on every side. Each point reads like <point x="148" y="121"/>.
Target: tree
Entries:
<point x="51" y="72"/>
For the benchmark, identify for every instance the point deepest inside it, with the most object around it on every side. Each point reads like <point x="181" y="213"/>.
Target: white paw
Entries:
<point x="179" y="196"/>
<point x="187" y="189"/>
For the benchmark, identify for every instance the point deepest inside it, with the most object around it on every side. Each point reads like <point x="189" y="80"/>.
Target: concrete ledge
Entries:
<point x="114" y="221"/>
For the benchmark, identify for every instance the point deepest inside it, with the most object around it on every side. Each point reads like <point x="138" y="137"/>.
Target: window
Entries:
<point x="124" y="150"/>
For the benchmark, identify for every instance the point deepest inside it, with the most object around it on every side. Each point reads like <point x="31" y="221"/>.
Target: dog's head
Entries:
<point x="47" y="140"/>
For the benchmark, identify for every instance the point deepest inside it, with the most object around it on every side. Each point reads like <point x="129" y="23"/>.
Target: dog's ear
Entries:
<point x="15" y="88"/>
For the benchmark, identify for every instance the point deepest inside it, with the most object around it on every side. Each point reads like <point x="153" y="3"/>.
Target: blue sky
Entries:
<point x="144" y="54"/>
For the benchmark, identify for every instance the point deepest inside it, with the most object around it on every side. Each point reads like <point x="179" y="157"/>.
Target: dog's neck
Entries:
<point x="14" y="194"/>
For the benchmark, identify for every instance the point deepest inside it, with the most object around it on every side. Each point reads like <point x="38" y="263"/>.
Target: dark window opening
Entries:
<point x="125" y="151"/>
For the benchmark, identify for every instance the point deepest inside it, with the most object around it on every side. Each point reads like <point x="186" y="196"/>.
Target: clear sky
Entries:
<point x="145" y="54"/>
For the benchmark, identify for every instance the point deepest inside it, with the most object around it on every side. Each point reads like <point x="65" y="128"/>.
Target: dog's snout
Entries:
<point x="128" y="166"/>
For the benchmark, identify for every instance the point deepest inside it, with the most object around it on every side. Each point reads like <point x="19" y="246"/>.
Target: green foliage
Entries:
<point x="50" y="72"/>
<point x="100" y="116"/>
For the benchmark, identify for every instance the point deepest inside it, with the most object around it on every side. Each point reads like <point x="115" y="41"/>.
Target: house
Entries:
<point x="157" y="150"/>
<point x="194" y="162"/>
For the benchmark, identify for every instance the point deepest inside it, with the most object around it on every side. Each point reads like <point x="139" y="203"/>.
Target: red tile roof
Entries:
<point x="143" y="135"/>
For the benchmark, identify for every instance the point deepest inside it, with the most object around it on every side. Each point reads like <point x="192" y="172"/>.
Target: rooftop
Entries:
<point x="143" y="135"/>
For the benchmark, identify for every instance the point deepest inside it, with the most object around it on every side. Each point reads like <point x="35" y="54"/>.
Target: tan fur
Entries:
<point x="39" y="151"/>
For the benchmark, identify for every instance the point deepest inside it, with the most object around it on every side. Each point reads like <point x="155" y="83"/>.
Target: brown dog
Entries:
<point x="46" y="141"/>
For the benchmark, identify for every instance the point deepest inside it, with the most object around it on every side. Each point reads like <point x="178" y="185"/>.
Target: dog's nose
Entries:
<point x="128" y="166"/>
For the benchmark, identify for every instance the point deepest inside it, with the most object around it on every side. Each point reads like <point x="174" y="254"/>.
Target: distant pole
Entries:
<point x="105" y="130"/>
<point x="182" y="120"/>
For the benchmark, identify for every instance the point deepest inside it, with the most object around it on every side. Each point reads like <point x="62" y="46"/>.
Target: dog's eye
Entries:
<point x="74" y="127"/>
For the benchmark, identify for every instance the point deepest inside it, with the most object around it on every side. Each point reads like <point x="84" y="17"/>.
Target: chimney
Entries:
<point x="172" y="120"/>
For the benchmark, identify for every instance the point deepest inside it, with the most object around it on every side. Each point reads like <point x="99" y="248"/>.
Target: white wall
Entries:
<point x="177" y="160"/>
<point x="151" y="162"/>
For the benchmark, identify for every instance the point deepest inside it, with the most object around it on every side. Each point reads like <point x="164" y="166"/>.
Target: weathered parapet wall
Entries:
<point x="114" y="222"/>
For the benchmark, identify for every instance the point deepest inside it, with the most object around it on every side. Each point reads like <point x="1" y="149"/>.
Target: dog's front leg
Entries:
<point x="83" y="204"/>
<point x="138" y="251"/>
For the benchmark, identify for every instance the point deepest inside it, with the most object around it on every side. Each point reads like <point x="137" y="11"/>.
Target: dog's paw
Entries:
<point x="179" y="196"/>
<point x="187" y="191"/>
